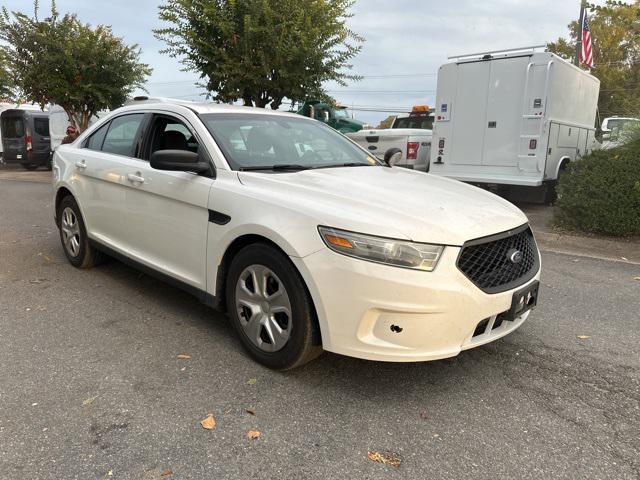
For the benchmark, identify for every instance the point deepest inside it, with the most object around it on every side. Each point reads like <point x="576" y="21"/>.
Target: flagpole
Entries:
<point x="583" y="5"/>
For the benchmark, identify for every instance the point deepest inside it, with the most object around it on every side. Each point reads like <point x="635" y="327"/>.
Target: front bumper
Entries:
<point x="378" y="312"/>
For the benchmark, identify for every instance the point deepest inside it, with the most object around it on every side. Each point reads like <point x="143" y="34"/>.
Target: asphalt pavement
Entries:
<point x="91" y="386"/>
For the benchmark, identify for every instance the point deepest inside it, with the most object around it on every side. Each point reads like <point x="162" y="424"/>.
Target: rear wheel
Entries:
<point x="270" y="308"/>
<point x="73" y="235"/>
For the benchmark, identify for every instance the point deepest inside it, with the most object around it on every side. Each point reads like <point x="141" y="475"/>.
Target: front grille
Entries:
<point x="487" y="262"/>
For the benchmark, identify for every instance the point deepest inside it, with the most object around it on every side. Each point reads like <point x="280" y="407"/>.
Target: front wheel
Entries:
<point x="271" y="309"/>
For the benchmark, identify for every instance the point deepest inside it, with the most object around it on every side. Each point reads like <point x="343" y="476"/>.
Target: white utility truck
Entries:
<point x="406" y="144"/>
<point x="512" y="117"/>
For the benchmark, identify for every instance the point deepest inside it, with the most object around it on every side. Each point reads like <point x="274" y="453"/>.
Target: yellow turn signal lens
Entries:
<point x="338" y="241"/>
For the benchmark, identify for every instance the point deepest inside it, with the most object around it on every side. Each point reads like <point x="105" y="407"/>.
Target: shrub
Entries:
<point x="601" y="192"/>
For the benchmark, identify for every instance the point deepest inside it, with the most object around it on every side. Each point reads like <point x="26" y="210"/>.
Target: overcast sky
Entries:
<point x="406" y="38"/>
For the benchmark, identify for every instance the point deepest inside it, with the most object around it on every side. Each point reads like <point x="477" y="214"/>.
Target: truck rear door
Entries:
<point x="504" y="111"/>
<point x="470" y="111"/>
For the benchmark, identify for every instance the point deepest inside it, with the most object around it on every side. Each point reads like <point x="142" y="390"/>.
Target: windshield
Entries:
<point x="619" y="122"/>
<point x="341" y="113"/>
<point x="255" y="142"/>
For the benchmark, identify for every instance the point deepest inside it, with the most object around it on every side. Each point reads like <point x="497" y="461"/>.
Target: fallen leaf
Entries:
<point x="209" y="423"/>
<point x="110" y="473"/>
<point x="584" y="337"/>
<point x="252" y="381"/>
<point x="89" y="401"/>
<point x="184" y="356"/>
<point x="637" y="278"/>
<point x="625" y="259"/>
<point x="250" y="411"/>
<point x="385" y="458"/>
<point x="423" y="415"/>
<point x="253" y="434"/>
<point x="166" y="473"/>
<point x="46" y="258"/>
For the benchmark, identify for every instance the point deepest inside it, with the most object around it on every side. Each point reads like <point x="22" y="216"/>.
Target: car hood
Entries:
<point x="390" y="202"/>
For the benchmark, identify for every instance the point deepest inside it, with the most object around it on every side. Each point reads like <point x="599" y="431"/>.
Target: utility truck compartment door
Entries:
<point x="568" y="137"/>
<point x="470" y="120"/>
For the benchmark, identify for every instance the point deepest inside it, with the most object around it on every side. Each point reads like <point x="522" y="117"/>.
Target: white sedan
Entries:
<point x="305" y="239"/>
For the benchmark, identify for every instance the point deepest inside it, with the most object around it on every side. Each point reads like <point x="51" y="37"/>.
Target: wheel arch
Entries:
<point x="232" y="250"/>
<point x="562" y="165"/>
<point x="61" y="193"/>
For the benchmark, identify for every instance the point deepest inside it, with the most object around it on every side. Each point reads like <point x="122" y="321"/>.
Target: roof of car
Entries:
<point x="204" y="107"/>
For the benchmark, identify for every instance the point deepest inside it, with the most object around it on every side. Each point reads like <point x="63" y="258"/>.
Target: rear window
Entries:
<point x="12" y="127"/>
<point x="41" y="126"/>
<point x="421" y="121"/>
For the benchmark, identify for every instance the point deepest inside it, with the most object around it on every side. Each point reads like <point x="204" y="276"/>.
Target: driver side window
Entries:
<point x="169" y="133"/>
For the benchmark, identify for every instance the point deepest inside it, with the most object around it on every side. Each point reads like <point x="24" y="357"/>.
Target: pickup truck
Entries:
<point x="406" y="144"/>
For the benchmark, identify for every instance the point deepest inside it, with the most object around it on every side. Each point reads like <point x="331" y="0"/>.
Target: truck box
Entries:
<point x="512" y="118"/>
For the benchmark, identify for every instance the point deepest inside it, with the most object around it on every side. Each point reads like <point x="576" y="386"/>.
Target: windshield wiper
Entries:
<point x="275" y="168"/>
<point x="349" y="164"/>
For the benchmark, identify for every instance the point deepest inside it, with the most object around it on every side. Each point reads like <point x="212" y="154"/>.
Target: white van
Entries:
<point x="512" y="118"/>
<point x="59" y="121"/>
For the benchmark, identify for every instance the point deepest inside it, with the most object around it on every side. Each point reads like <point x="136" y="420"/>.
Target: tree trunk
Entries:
<point x="275" y="103"/>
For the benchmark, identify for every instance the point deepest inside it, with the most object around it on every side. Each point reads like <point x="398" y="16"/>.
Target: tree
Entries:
<point x="62" y="61"/>
<point x="6" y="90"/>
<point x="262" y="51"/>
<point x="387" y="122"/>
<point x="615" y="28"/>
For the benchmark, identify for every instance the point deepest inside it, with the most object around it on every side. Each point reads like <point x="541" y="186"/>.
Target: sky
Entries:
<point x="406" y="42"/>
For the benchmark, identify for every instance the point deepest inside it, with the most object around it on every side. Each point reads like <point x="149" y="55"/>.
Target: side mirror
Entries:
<point x="325" y="117"/>
<point x="606" y="136"/>
<point x="179" y="161"/>
<point x="392" y="156"/>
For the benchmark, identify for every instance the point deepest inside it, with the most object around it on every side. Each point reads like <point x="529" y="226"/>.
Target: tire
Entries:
<point x="73" y="235"/>
<point x="283" y="307"/>
<point x="30" y="166"/>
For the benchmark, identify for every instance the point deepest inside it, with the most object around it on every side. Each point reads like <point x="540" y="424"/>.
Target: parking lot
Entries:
<point x="91" y="385"/>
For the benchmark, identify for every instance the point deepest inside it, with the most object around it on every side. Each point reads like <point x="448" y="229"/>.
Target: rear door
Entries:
<point x="167" y="212"/>
<point x="13" y="138"/>
<point x="470" y="113"/>
<point x="100" y="170"/>
<point x="504" y="111"/>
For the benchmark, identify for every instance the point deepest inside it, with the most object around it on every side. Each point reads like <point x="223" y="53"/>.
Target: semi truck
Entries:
<point x="406" y="144"/>
<point x="515" y="118"/>
<point x="335" y="116"/>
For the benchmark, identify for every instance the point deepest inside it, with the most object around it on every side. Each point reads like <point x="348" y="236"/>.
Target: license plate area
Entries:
<point x="523" y="301"/>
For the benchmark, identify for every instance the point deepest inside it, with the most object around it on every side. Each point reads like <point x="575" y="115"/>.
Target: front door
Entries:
<point x="167" y="212"/>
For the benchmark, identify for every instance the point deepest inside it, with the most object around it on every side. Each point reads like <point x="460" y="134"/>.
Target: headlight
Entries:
<point x="399" y="253"/>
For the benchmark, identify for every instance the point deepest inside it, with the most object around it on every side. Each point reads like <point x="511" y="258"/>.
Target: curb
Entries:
<point x="599" y="248"/>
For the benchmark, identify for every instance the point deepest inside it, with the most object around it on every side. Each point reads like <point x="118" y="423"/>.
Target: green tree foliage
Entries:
<point x="387" y="122"/>
<point x="615" y="28"/>
<point x="261" y="51"/>
<point x="62" y="61"/>
<point x="6" y="90"/>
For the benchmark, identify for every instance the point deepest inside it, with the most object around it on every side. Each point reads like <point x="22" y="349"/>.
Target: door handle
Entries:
<point x="81" y="165"/>
<point x="135" y="177"/>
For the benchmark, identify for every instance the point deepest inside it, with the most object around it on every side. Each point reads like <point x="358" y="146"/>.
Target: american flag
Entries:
<point x="586" y="55"/>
